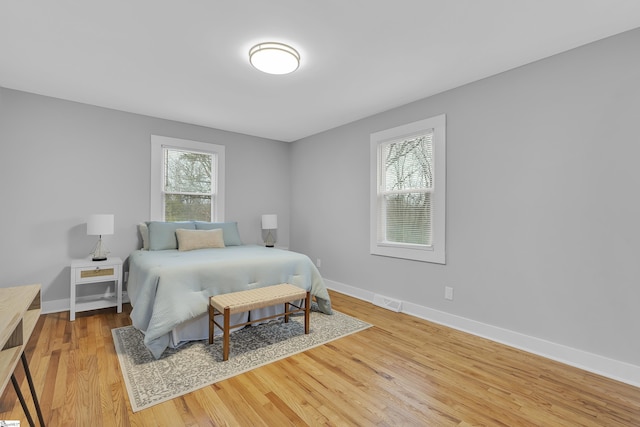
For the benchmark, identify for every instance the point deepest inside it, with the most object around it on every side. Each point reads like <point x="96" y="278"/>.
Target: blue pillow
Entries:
<point x="229" y="231"/>
<point x="162" y="235"/>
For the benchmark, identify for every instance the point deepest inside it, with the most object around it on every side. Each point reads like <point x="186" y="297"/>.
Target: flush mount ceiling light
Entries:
<point x="274" y="58"/>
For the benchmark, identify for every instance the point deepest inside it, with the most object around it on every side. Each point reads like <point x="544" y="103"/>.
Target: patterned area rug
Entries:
<point x="197" y="364"/>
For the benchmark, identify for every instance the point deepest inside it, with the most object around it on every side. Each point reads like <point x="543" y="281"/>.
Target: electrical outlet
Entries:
<point x="448" y="293"/>
<point x="318" y="262"/>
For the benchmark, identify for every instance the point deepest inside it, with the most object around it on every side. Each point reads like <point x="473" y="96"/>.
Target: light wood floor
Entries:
<point x="402" y="372"/>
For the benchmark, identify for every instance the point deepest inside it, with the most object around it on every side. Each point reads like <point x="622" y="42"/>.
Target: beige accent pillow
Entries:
<point x="144" y="234"/>
<point x="189" y="240"/>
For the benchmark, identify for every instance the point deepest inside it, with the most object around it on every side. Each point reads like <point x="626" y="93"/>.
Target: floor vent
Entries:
<point x="388" y="303"/>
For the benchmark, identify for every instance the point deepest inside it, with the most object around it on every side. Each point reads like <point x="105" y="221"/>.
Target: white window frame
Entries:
<point x="435" y="252"/>
<point x="158" y="143"/>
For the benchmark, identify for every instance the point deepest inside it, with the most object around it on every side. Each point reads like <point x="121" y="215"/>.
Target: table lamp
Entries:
<point x="269" y="227"/>
<point x="100" y="225"/>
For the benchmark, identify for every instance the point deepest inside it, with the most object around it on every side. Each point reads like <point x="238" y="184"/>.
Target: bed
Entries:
<point x="171" y="279"/>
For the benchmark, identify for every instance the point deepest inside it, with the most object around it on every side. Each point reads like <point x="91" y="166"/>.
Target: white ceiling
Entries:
<point x="188" y="60"/>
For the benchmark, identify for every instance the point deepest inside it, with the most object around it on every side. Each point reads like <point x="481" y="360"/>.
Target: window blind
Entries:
<point x="405" y="185"/>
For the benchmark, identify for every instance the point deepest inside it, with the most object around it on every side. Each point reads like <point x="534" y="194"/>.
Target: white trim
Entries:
<point x="60" y="305"/>
<point x="352" y="291"/>
<point x="601" y="365"/>
<point x="436" y="252"/>
<point x="155" y="191"/>
<point x="56" y="306"/>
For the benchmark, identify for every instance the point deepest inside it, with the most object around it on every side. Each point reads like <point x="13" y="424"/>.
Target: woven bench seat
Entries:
<point x="239" y="302"/>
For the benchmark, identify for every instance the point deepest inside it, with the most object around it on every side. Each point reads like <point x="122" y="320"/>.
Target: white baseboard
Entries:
<point x="60" y="305"/>
<point x="610" y="368"/>
<point x="55" y="306"/>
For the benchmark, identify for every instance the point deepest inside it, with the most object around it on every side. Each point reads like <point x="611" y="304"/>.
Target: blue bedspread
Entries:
<point x="169" y="287"/>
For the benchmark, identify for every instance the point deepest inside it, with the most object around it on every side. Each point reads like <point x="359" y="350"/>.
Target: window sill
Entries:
<point x="410" y="252"/>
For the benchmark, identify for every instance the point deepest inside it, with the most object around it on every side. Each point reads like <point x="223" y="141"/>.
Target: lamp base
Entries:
<point x="100" y="252"/>
<point x="269" y="238"/>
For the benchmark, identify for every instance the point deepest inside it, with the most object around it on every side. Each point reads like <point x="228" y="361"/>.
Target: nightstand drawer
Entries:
<point x="97" y="273"/>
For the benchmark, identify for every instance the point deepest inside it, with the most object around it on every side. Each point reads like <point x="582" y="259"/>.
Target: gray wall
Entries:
<point x="62" y="161"/>
<point x="541" y="212"/>
<point x="542" y="201"/>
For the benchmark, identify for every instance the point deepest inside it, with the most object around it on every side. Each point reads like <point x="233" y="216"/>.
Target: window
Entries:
<point x="408" y="171"/>
<point x="187" y="180"/>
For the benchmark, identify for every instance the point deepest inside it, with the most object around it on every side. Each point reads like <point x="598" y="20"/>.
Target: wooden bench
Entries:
<point x="239" y="302"/>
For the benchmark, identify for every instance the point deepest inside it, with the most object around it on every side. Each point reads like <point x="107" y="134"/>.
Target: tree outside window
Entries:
<point x="407" y="182"/>
<point x="188" y="185"/>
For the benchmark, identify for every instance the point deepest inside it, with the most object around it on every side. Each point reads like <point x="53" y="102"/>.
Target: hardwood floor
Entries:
<point x="403" y="371"/>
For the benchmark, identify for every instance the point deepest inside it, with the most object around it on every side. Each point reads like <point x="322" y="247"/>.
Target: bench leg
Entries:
<point x="307" y="312"/>
<point x="286" y="312"/>
<point x="211" y="324"/>
<point x="225" y="346"/>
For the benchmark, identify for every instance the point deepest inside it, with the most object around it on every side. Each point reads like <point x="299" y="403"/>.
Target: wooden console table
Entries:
<point x="19" y="313"/>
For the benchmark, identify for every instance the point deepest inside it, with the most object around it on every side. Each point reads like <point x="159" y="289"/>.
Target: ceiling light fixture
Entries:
<point x="274" y="58"/>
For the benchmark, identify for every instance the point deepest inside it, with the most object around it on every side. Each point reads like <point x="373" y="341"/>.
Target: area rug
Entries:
<point x="198" y="364"/>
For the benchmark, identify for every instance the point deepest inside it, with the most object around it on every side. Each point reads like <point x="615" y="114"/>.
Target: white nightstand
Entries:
<point x="84" y="271"/>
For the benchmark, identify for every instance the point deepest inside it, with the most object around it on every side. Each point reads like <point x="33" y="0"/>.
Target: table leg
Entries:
<point x="22" y="401"/>
<point x="32" y="388"/>
<point x="119" y="293"/>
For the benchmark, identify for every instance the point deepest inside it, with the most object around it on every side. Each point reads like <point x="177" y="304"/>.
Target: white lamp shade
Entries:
<point x="100" y="224"/>
<point x="269" y="222"/>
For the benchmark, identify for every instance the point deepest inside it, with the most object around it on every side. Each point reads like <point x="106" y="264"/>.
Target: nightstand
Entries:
<point x="84" y="271"/>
